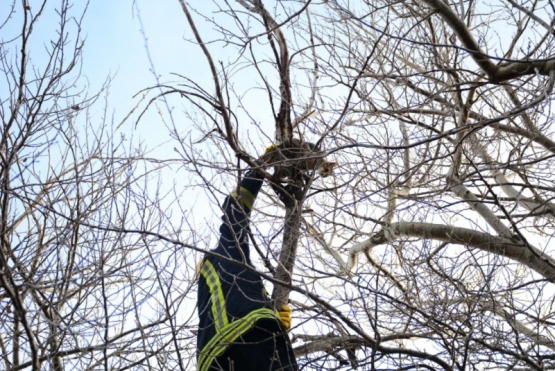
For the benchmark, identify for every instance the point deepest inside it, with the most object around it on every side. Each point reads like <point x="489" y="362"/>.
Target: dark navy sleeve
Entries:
<point x="242" y="288"/>
<point x="237" y="207"/>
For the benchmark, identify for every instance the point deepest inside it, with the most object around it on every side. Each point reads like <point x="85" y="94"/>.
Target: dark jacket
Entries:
<point x="227" y="283"/>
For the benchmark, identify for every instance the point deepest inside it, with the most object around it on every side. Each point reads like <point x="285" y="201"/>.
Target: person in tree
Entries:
<point x="238" y="328"/>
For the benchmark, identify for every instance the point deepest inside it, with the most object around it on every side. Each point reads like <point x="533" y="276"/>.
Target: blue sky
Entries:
<point x="114" y="44"/>
<point x="119" y="44"/>
<point x="116" y="33"/>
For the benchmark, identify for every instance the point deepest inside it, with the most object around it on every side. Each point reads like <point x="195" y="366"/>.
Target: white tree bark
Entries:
<point x="511" y="248"/>
<point x="477" y="205"/>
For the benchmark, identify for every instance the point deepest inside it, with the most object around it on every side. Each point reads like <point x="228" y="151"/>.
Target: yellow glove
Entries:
<point x="270" y="148"/>
<point x="285" y="316"/>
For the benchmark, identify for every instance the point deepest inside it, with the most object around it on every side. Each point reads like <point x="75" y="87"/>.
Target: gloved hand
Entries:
<point x="285" y="316"/>
<point x="270" y="148"/>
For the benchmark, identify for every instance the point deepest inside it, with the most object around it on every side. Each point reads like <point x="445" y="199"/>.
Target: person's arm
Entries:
<point x="235" y="220"/>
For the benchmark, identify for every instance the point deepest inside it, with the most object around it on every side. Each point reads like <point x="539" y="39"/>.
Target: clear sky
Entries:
<point x="114" y="44"/>
<point x="141" y="41"/>
<point x="137" y="42"/>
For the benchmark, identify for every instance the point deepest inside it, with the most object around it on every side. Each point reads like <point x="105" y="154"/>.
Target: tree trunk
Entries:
<point x="291" y="232"/>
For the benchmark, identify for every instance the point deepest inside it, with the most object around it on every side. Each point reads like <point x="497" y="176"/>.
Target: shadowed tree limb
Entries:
<point x="495" y="72"/>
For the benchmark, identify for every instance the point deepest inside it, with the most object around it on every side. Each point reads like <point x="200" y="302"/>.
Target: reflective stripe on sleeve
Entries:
<point x="246" y="197"/>
<point x="216" y="295"/>
<point x="218" y="344"/>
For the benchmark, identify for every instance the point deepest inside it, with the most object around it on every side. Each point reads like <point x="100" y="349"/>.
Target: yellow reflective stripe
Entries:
<point x="217" y="345"/>
<point x="246" y="197"/>
<point x="216" y="295"/>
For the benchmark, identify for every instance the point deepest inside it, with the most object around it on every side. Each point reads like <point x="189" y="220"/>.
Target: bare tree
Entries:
<point x="84" y="282"/>
<point x="429" y="249"/>
<point x="439" y="115"/>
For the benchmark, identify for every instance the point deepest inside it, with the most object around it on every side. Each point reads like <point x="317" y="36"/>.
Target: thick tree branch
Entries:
<point x="519" y="326"/>
<point x="333" y="343"/>
<point x="513" y="249"/>
<point x="291" y="233"/>
<point x="496" y="73"/>
<point x="477" y="205"/>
